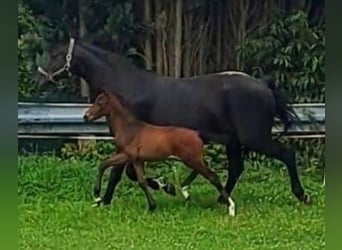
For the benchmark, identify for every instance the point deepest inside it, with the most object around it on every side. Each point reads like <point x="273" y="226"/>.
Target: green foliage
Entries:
<point x="291" y="51"/>
<point x="91" y="152"/>
<point x="29" y="43"/>
<point x="310" y="156"/>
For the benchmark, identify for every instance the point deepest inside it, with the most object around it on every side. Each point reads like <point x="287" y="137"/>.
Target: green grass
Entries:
<point x="54" y="198"/>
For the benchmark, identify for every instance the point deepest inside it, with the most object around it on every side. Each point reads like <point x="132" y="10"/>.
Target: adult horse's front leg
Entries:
<point x="186" y="183"/>
<point x="235" y="167"/>
<point x="115" y="177"/>
<point x="153" y="183"/>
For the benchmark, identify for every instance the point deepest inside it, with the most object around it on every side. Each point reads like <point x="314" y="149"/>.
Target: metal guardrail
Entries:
<point x="66" y="120"/>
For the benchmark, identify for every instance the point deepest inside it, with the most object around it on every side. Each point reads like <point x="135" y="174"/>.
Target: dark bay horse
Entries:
<point x="229" y="108"/>
<point x="138" y="142"/>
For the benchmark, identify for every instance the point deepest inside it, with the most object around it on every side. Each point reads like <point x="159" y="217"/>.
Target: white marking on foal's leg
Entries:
<point x="98" y="199"/>
<point x="231" y="207"/>
<point x="185" y="192"/>
<point x="95" y="205"/>
<point x="97" y="202"/>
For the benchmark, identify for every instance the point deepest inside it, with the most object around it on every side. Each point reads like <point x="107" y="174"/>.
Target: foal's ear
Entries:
<point x="106" y="93"/>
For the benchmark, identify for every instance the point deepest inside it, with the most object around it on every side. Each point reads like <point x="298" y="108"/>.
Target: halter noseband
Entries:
<point x="65" y="67"/>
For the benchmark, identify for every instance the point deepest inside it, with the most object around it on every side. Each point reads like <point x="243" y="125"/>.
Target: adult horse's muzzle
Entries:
<point x="42" y="76"/>
<point x="40" y="79"/>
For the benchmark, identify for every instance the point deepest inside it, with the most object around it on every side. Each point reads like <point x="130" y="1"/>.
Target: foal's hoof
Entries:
<point x="97" y="202"/>
<point x="95" y="205"/>
<point x="170" y="189"/>
<point x="185" y="192"/>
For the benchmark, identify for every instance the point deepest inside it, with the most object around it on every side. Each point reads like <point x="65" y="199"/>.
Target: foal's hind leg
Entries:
<point x="201" y="168"/>
<point x="287" y="156"/>
<point x="139" y="169"/>
<point x="114" y="161"/>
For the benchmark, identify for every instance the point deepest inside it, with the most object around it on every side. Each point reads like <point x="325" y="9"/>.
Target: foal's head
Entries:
<point x="104" y="104"/>
<point x="101" y="107"/>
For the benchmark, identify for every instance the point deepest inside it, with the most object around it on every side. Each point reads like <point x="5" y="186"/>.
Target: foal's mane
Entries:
<point x="124" y="108"/>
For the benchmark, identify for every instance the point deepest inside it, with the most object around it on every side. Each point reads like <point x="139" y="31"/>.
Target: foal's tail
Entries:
<point x="284" y="112"/>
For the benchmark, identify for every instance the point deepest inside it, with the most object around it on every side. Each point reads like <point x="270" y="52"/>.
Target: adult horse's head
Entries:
<point x="59" y="65"/>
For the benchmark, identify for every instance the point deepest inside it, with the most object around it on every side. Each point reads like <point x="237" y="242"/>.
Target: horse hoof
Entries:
<point x="170" y="189"/>
<point x="221" y="200"/>
<point x="152" y="208"/>
<point x="307" y="200"/>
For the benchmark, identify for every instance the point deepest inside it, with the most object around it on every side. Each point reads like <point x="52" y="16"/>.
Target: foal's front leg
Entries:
<point x="139" y="169"/>
<point x="115" y="161"/>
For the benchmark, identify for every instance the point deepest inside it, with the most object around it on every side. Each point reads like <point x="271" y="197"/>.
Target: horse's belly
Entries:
<point x="153" y="153"/>
<point x="150" y="149"/>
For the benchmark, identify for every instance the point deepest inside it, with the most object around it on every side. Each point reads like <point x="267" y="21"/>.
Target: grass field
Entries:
<point x="54" y="198"/>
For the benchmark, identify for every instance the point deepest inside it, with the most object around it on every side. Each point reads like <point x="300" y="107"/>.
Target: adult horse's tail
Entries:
<point x="284" y="111"/>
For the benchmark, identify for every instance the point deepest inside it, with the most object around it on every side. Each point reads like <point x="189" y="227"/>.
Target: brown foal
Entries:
<point x="138" y="142"/>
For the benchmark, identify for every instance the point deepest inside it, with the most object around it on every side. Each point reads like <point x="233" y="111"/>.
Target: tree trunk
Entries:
<point x="218" y="35"/>
<point x="147" y="21"/>
<point x="158" y="38"/>
<point x="187" y="43"/>
<point x="178" y="39"/>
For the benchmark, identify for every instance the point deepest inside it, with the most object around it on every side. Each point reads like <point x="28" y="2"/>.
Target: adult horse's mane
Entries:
<point x="122" y="101"/>
<point x="112" y="59"/>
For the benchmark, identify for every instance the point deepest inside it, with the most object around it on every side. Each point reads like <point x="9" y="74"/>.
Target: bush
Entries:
<point x="291" y="51"/>
<point x="310" y="155"/>
<point x="29" y="43"/>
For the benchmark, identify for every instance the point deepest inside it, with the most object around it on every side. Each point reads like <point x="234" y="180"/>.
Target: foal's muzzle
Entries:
<point x="86" y="118"/>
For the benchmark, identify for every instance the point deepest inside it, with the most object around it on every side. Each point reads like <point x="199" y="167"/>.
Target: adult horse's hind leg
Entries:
<point x="202" y="169"/>
<point x="286" y="155"/>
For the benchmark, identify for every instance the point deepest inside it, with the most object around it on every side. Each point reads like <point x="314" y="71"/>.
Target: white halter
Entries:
<point x="65" y="67"/>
